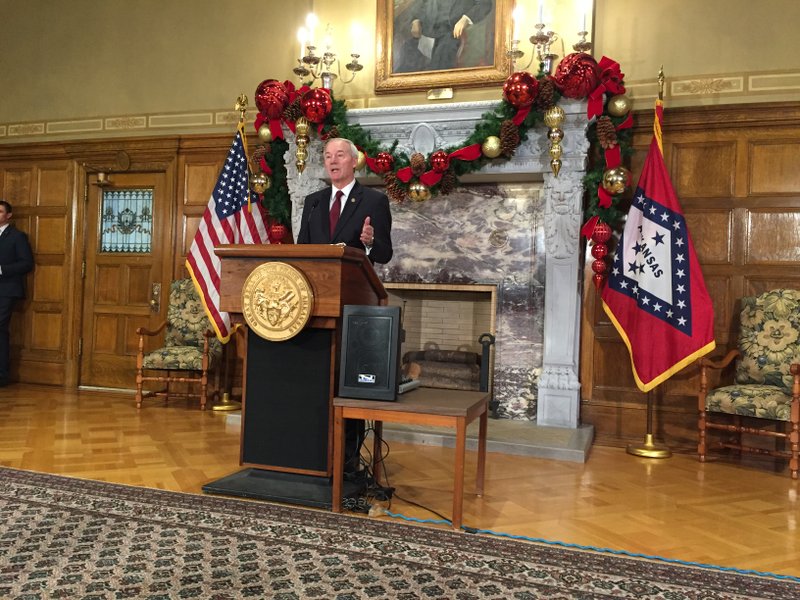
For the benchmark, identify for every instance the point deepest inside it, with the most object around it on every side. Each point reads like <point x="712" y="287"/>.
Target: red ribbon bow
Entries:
<point x="610" y="81"/>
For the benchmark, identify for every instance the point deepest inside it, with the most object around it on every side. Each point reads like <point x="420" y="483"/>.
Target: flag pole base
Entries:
<point x="649" y="449"/>
<point x="227" y="403"/>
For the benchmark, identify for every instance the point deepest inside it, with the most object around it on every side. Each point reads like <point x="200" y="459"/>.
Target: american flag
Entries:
<point x="656" y="296"/>
<point x="229" y="218"/>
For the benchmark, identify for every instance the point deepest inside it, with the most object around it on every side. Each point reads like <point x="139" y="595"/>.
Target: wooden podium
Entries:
<point x="289" y="386"/>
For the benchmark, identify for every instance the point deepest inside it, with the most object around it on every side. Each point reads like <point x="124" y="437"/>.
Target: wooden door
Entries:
<point x="127" y="274"/>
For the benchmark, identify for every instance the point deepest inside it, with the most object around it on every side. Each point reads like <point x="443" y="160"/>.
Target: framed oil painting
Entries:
<point x="427" y="44"/>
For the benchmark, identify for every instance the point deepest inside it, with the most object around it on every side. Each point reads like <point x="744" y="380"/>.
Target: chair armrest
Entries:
<point x="720" y="364"/>
<point x="143" y="331"/>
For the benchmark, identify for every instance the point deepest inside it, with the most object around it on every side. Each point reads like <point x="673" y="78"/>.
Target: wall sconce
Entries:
<point x="542" y="40"/>
<point x="102" y="179"/>
<point x="321" y="67"/>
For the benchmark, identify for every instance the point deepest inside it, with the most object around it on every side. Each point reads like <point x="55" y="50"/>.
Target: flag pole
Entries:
<point x="650" y="449"/>
<point x="226" y="403"/>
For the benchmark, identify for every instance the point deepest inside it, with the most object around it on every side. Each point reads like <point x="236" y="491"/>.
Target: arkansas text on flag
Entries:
<point x="655" y="294"/>
<point x="229" y="218"/>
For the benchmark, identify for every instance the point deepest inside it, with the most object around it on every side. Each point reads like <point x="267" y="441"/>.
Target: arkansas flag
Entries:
<point x="655" y="294"/>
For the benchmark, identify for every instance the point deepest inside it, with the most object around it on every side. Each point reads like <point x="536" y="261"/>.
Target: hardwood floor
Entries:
<point x="723" y="513"/>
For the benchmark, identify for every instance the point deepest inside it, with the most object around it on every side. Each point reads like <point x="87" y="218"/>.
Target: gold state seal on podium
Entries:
<point x="277" y="301"/>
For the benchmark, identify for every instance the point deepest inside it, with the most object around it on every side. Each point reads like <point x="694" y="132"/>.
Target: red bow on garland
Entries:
<point x="610" y="81"/>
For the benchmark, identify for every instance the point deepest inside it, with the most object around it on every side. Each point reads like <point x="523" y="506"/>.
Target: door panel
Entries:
<point x="121" y="274"/>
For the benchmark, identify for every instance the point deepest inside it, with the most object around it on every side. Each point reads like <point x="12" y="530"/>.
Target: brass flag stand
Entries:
<point x="649" y="449"/>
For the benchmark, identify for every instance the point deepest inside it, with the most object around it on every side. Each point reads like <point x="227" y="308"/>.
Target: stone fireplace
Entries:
<point x="513" y="227"/>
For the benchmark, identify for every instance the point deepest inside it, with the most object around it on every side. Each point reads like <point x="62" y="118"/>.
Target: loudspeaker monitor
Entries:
<point x="370" y="352"/>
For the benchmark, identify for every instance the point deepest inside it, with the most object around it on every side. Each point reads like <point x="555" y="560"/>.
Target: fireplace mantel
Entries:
<point x="424" y="128"/>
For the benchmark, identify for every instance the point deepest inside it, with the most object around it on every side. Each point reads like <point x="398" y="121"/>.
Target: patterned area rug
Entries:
<point x="71" y="538"/>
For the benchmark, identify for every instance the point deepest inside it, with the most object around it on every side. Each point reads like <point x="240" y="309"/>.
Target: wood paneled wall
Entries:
<point x="736" y="170"/>
<point x="47" y="185"/>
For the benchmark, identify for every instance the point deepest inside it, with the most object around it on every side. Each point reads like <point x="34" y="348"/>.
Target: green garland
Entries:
<point x="277" y="202"/>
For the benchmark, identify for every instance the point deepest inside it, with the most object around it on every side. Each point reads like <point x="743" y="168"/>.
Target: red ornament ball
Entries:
<point x="599" y="266"/>
<point x="598" y="280"/>
<point x="277" y="232"/>
<point x="271" y="98"/>
<point x="383" y="163"/>
<point x="577" y="75"/>
<point x="440" y="161"/>
<point x="316" y="104"/>
<point x="599" y="250"/>
<point x="520" y="89"/>
<point x="601" y="232"/>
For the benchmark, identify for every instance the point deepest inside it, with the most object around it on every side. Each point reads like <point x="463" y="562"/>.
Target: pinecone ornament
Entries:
<point x="606" y="133"/>
<point x="417" y="164"/>
<point x="260" y="152"/>
<point x="546" y="96"/>
<point x="447" y="183"/>
<point x="509" y="138"/>
<point x="394" y="189"/>
<point x="293" y="111"/>
<point x="332" y="133"/>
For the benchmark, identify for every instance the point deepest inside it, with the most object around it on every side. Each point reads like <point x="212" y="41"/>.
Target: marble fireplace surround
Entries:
<point x="423" y="128"/>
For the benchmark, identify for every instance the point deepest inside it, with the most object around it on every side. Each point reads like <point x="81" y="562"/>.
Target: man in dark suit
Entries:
<point x="16" y="259"/>
<point x="361" y="218"/>
<point x="446" y="22"/>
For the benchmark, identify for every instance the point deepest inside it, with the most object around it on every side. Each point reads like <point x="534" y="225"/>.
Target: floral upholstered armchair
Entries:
<point x="190" y="351"/>
<point x="766" y="389"/>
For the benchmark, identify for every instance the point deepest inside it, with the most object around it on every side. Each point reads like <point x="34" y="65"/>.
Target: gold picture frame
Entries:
<point x="406" y="63"/>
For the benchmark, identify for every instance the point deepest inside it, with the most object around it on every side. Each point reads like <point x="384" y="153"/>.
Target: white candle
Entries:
<point x="541" y="11"/>
<point x="311" y="23"/>
<point x="355" y="37"/>
<point x="301" y="37"/>
<point x="517" y="16"/>
<point x="583" y="25"/>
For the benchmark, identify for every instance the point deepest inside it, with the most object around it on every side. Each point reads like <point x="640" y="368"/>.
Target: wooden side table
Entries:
<point x="422" y="406"/>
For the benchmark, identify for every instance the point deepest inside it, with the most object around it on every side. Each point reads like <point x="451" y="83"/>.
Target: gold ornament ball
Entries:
<point x="554" y="117"/>
<point x="616" y="180"/>
<point x="619" y="106"/>
<point x="418" y="192"/>
<point x="555" y="135"/>
<point x="265" y="133"/>
<point x="360" y="161"/>
<point x="260" y="183"/>
<point x="491" y="147"/>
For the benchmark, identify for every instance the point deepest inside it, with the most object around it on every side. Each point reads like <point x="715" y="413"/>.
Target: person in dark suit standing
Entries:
<point x="346" y="211"/>
<point x="16" y="259"/>
<point x="446" y="22"/>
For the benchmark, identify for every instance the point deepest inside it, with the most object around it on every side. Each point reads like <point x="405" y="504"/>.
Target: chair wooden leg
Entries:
<point x="139" y="375"/>
<point x="701" y="443"/>
<point x="794" y="441"/>
<point x="203" y="390"/>
<point x="139" y="388"/>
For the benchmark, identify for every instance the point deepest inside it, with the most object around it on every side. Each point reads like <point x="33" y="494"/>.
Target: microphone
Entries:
<point x="313" y="208"/>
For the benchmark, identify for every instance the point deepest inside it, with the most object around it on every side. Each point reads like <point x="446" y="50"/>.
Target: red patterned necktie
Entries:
<point x="333" y="216"/>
